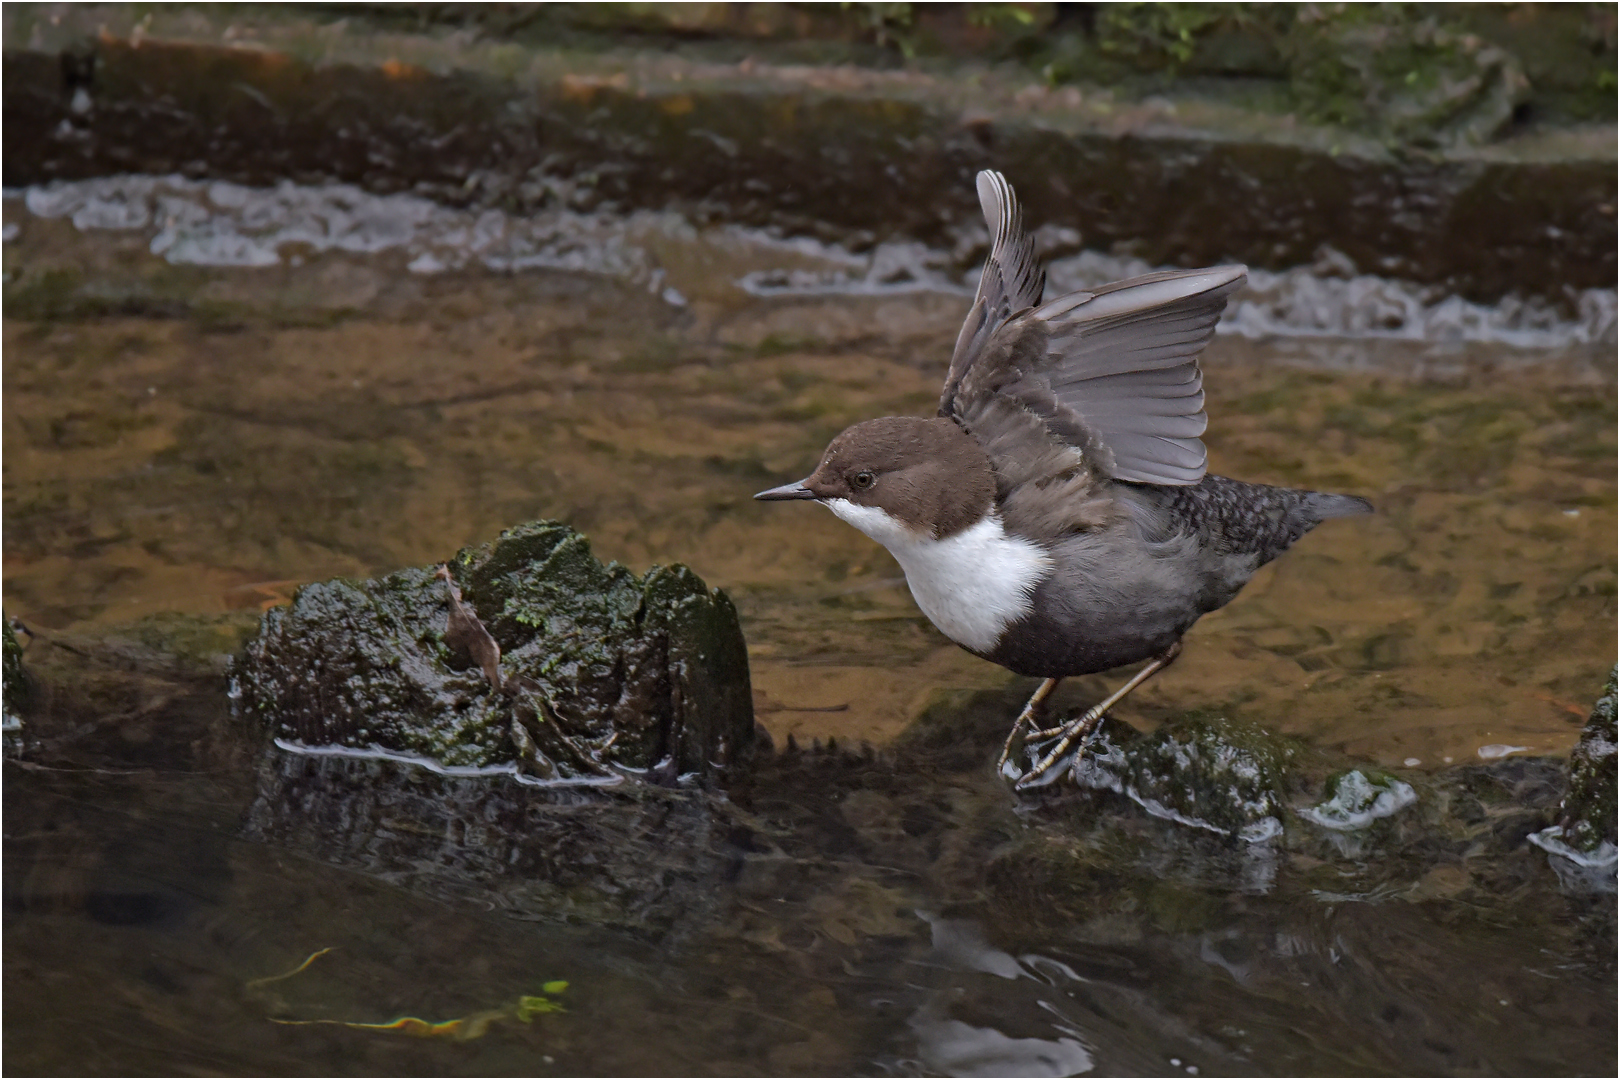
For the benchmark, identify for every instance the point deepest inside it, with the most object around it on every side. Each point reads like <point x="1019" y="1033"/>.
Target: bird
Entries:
<point x="1057" y="515"/>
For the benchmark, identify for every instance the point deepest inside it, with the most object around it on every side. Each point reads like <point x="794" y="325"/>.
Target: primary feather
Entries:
<point x="1112" y="370"/>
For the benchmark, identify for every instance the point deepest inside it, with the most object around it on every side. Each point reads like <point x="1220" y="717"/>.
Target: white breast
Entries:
<point x="971" y="585"/>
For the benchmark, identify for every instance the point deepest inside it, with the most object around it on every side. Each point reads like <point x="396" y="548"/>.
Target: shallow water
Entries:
<point x="194" y="438"/>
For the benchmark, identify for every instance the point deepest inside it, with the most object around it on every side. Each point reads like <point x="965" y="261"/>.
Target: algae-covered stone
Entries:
<point x="1214" y="774"/>
<point x="598" y="666"/>
<point x="1588" y="810"/>
<point x="16" y="688"/>
<point x="1358" y="797"/>
<point x="1583" y="842"/>
<point x="17" y="685"/>
<point x="1412" y="81"/>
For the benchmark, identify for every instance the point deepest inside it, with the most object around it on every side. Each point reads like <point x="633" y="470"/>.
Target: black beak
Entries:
<point x="787" y="491"/>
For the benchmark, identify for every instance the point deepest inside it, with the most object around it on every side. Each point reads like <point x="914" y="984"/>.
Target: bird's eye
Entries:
<point x="863" y="480"/>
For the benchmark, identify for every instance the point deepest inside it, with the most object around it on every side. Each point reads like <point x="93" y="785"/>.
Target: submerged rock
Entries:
<point x="597" y="667"/>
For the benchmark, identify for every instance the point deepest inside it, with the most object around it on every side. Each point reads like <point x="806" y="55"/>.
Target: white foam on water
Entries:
<point x="888" y="269"/>
<point x="961" y="944"/>
<point x="1328" y="299"/>
<point x="217" y="223"/>
<point x="1551" y="840"/>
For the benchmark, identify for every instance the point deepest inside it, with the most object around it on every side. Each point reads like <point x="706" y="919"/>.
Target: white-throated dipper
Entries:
<point x="1056" y="516"/>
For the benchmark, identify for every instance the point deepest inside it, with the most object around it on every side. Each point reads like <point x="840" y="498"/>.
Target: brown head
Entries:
<point x="929" y="475"/>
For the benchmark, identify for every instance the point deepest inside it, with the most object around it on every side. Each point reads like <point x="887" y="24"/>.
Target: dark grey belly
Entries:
<point x="1056" y="640"/>
<point x="1119" y="597"/>
<point x="1125" y="594"/>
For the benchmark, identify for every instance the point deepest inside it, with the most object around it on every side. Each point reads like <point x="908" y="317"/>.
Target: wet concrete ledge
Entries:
<point x="844" y="153"/>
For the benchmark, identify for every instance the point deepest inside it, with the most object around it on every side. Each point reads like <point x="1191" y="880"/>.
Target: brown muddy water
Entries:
<point x="202" y="439"/>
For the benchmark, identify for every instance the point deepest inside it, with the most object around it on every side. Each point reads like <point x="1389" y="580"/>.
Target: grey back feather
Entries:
<point x="1112" y="370"/>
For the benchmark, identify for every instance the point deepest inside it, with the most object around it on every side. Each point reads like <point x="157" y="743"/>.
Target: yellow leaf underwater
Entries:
<point x="474" y="1026"/>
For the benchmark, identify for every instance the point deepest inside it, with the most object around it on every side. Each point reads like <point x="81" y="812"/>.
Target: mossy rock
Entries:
<point x="1354" y="799"/>
<point x="1224" y="776"/>
<point x="635" y="671"/>
<point x="1410" y="82"/>
<point x="1402" y="73"/>
<point x="1589" y="811"/>
<point x="17" y="683"/>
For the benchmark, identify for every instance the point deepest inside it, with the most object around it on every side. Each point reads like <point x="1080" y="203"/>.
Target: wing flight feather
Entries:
<point x="1111" y="371"/>
<point x="1012" y="279"/>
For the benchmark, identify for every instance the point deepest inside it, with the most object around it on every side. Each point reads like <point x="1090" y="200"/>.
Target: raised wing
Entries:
<point x="1012" y="280"/>
<point x="1112" y="371"/>
<point x="1124" y="358"/>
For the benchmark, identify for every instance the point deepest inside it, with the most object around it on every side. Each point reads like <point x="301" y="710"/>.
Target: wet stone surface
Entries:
<point x="644" y="858"/>
<point x="596" y="666"/>
<point x="14" y="677"/>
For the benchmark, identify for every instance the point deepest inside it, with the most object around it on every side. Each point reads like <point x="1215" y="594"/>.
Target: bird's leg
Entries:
<point x="1025" y="718"/>
<point x="1081" y="727"/>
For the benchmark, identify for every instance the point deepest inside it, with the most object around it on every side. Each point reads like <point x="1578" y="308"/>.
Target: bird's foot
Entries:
<point x="1067" y="735"/>
<point x="1015" y="737"/>
<point x="1083" y="726"/>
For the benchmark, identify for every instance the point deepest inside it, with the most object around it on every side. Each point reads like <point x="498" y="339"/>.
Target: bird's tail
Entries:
<point x="1322" y="505"/>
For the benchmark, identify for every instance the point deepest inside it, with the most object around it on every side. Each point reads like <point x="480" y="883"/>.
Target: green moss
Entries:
<point x="1170" y="35"/>
<point x="1225" y="776"/>
<point x="44" y="296"/>
<point x="775" y="344"/>
<point x="1384" y="69"/>
<point x="1589" y="810"/>
<point x="162" y="292"/>
<point x="1406" y="73"/>
<point x="1392" y="70"/>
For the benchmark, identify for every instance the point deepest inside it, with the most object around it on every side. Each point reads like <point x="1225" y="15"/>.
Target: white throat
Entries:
<point x="972" y="585"/>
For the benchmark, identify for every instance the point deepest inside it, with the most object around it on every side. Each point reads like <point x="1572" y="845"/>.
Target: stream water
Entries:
<point x="214" y="394"/>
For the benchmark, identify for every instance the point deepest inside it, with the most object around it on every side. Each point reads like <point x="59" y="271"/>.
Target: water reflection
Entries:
<point x="952" y="1048"/>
